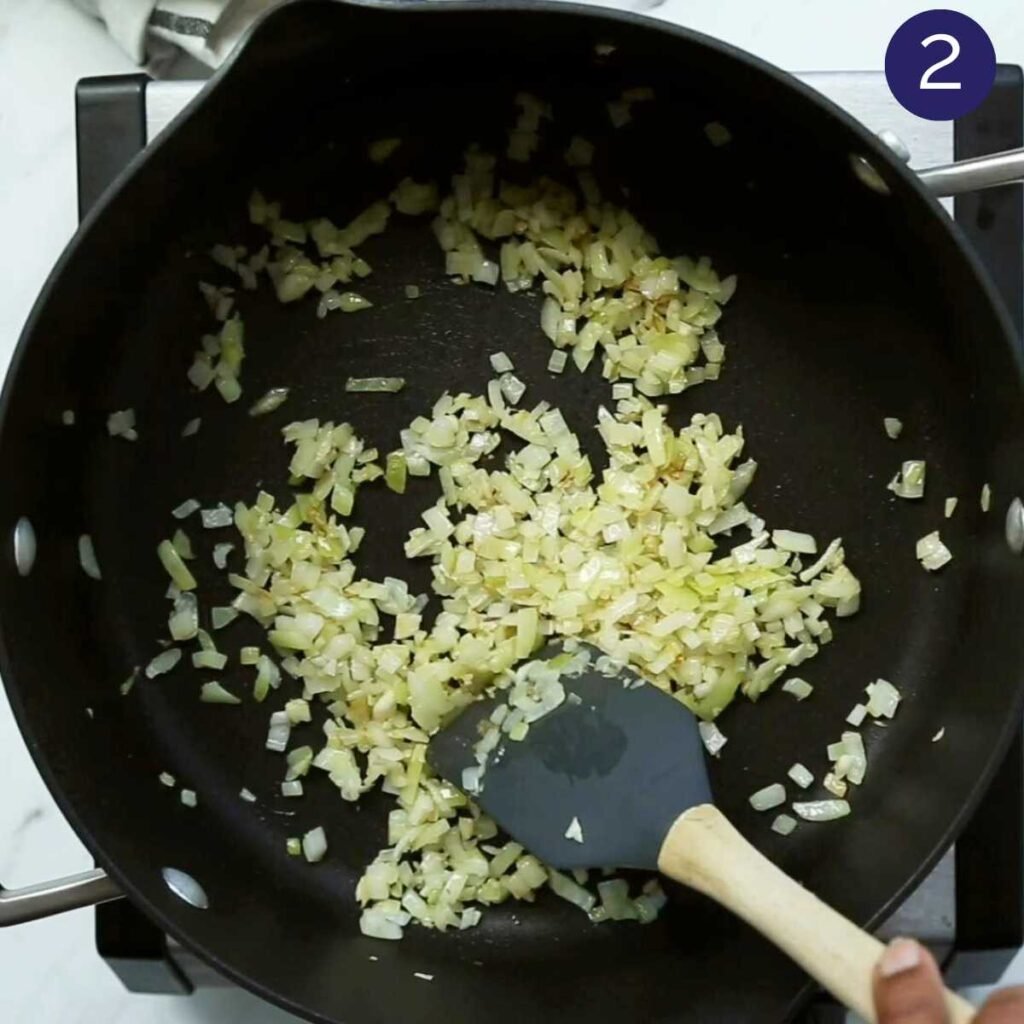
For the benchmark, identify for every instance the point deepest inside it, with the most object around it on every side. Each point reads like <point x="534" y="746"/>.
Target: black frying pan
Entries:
<point x="854" y="303"/>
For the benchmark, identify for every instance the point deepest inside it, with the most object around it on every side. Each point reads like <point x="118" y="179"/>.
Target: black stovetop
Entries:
<point x="971" y="909"/>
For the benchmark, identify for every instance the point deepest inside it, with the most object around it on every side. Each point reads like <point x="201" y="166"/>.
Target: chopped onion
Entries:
<point x="524" y="138"/>
<point x="849" y="757"/>
<point x="380" y="149"/>
<point x="800" y="775"/>
<point x="67" y="417"/>
<point x="185" y="509"/>
<point x="412" y="291"/>
<point x="472" y="779"/>
<point x="384" y="384"/>
<point x="163" y="662"/>
<point x="259" y="209"/>
<point x="353" y="302"/>
<point x="220" y="554"/>
<point x="219" y="361"/>
<point x="229" y="388"/>
<point x="273" y="399"/>
<point x="501" y="363"/>
<point x="412" y="198"/>
<point x="167" y="779"/>
<point x="784" y="824"/>
<point x="330" y="300"/>
<point x="291" y="787"/>
<point x="314" y="845"/>
<point x="830" y="558"/>
<point x="574" y="831"/>
<point x="217" y="518"/>
<point x="909" y="482"/>
<point x="225" y="255"/>
<point x="221" y="616"/>
<point x="376" y="925"/>
<point x="712" y="737"/>
<point x="182" y="544"/>
<point x="188" y="797"/>
<point x="298" y="711"/>
<point x="279" y="732"/>
<point x="122" y="424"/>
<point x="788" y="540"/>
<point x="580" y="152"/>
<point x="717" y="134"/>
<point x="249" y="282"/>
<point x="932" y="553"/>
<point x="557" y="361"/>
<point x="834" y="785"/>
<point x="396" y="472"/>
<point x="247" y="795"/>
<point x="301" y="759"/>
<point x="293" y="846"/>
<point x="213" y="660"/>
<point x="268" y="677"/>
<point x="564" y="887"/>
<point x="192" y="427"/>
<point x="799" y="688"/>
<point x="615" y="901"/>
<point x="769" y="797"/>
<point x="214" y="693"/>
<point x="649" y="904"/>
<point x="512" y="388"/>
<point x="183" y="623"/>
<point x="938" y="736"/>
<point x="893" y="427"/>
<point x="126" y="687"/>
<point x="822" y="810"/>
<point x="986" y="497"/>
<point x="87" y="558"/>
<point x="950" y="507"/>
<point x="176" y="568"/>
<point x="730" y="518"/>
<point x="620" y="111"/>
<point x="857" y="715"/>
<point x="883" y="699"/>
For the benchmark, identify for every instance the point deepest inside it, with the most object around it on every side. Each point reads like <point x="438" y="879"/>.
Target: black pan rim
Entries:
<point x="873" y="147"/>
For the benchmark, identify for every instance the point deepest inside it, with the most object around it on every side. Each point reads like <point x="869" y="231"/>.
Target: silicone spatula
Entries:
<point x="625" y="761"/>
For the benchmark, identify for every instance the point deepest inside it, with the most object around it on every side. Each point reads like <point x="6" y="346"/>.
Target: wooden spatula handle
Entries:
<point x="704" y="851"/>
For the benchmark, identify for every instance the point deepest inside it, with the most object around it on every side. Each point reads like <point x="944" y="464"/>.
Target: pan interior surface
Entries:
<point x="851" y="306"/>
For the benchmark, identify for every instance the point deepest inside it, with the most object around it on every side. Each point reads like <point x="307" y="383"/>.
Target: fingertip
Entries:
<point x="899" y="956"/>
<point x="907" y="985"/>
<point x="1004" y="1006"/>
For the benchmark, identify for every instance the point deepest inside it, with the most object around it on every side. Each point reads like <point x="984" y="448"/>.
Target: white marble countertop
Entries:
<point x="49" y="970"/>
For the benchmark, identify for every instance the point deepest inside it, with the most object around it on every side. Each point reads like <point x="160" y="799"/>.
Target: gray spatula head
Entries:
<point x="624" y="760"/>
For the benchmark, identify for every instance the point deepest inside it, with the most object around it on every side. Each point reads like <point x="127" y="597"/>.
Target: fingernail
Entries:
<point x="899" y="956"/>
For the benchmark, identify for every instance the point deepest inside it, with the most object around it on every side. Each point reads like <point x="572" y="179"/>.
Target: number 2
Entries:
<point x="954" y="52"/>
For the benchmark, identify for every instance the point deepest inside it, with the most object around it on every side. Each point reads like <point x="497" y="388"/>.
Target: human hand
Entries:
<point x="908" y="990"/>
